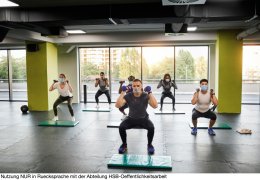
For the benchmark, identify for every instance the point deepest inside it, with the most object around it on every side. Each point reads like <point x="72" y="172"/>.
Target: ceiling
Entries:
<point x="52" y="17"/>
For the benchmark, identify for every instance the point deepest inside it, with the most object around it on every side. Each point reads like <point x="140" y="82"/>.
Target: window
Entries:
<point x="4" y="86"/>
<point x="124" y="62"/>
<point x="251" y="75"/>
<point x="97" y="61"/>
<point x="191" y="67"/>
<point x="157" y="61"/>
<point x="13" y="81"/>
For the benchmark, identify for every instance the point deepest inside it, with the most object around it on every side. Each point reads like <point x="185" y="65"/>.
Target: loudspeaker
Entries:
<point x="32" y="47"/>
<point x="3" y="32"/>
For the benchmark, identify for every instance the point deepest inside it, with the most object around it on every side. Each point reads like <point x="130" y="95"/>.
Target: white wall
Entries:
<point x="68" y="64"/>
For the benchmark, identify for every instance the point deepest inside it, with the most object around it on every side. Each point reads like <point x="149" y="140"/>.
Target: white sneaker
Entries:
<point x="73" y="118"/>
<point x="55" y="118"/>
<point x="123" y="117"/>
<point x="110" y="106"/>
<point x="97" y="106"/>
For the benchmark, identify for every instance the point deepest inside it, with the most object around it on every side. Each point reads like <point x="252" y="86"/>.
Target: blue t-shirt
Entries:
<point x="137" y="105"/>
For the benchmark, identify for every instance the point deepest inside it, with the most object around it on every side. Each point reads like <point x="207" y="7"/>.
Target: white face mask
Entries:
<point x="61" y="80"/>
<point x="137" y="90"/>
<point x="167" y="80"/>
<point x="130" y="82"/>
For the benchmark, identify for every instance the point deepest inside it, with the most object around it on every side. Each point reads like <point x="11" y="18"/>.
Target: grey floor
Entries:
<point x="26" y="147"/>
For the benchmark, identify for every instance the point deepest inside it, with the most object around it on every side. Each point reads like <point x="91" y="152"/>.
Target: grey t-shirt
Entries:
<point x="102" y="84"/>
<point x="137" y="105"/>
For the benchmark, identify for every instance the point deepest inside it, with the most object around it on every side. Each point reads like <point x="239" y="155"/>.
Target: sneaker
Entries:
<point x="173" y="109"/>
<point x="194" y="131"/>
<point x="73" y="118"/>
<point x="97" y="106"/>
<point x="55" y="118"/>
<point x="160" y="109"/>
<point x="110" y="106"/>
<point x="123" y="117"/>
<point x="150" y="149"/>
<point x="122" y="149"/>
<point x="211" y="132"/>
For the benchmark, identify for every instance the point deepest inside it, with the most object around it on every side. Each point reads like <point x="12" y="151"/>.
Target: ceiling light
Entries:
<point x="182" y="2"/>
<point x="75" y="32"/>
<point x="6" y="3"/>
<point x="194" y="28"/>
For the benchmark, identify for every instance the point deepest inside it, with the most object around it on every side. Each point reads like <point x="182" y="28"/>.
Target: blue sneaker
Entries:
<point x="194" y="131"/>
<point x="122" y="149"/>
<point x="211" y="132"/>
<point x="150" y="149"/>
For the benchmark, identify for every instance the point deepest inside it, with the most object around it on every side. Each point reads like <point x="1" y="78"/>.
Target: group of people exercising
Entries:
<point x="137" y="99"/>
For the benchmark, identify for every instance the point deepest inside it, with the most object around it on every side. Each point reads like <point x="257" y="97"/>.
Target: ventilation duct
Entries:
<point x="182" y="2"/>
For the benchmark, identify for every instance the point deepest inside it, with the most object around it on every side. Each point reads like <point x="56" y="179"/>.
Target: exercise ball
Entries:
<point x="24" y="109"/>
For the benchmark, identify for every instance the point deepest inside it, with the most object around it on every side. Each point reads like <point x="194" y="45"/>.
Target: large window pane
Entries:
<point x="92" y="62"/>
<point x="124" y="62"/>
<point x="4" y="87"/>
<point x="191" y="66"/>
<point x="19" y="79"/>
<point x="251" y="74"/>
<point x="157" y="61"/>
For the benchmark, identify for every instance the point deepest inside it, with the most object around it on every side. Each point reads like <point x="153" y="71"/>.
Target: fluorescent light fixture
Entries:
<point x="6" y="3"/>
<point x="112" y="21"/>
<point x="194" y="28"/>
<point x="75" y="32"/>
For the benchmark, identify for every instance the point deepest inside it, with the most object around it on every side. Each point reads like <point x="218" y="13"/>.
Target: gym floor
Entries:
<point x="86" y="148"/>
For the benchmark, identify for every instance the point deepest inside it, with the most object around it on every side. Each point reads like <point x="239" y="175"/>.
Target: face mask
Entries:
<point x="61" y="80"/>
<point x="204" y="87"/>
<point x="130" y="82"/>
<point x="167" y="80"/>
<point x="136" y="90"/>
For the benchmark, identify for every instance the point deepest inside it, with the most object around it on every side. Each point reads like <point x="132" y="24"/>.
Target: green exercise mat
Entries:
<point x="116" y="124"/>
<point x="97" y="110"/>
<point x="59" y="123"/>
<point x="140" y="161"/>
<point x="216" y="126"/>
<point x="168" y="112"/>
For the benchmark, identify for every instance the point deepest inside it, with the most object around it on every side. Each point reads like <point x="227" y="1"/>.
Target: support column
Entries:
<point x="42" y="68"/>
<point x="229" y="72"/>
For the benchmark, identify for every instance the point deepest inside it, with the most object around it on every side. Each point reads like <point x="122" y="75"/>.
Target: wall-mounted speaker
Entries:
<point x="32" y="47"/>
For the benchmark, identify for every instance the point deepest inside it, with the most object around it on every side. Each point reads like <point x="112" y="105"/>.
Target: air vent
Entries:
<point x="182" y="2"/>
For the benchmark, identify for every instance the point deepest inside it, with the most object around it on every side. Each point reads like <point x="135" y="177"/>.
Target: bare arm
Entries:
<point x="70" y="88"/>
<point x="107" y="83"/>
<point x="97" y="82"/>
<point x="51" y="87"/>
<point x="195" y="98"/>
<point x="213" y="98"/>
<point x="152" y="101"/>
<point x="120" y="100"/>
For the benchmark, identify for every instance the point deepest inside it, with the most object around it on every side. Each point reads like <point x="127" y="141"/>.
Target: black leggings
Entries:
<point x="60" y="100"/>
<point x="130" y="123"/>
<point x="169" y="95"/>
<point x="99" y="93"/>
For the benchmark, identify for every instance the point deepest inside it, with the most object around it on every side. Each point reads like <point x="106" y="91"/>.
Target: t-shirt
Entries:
<point x="102" y="84"/>
<point x="203" y="102"/>
<point x="63" y="92"/>
<point x="137" y="105"/>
